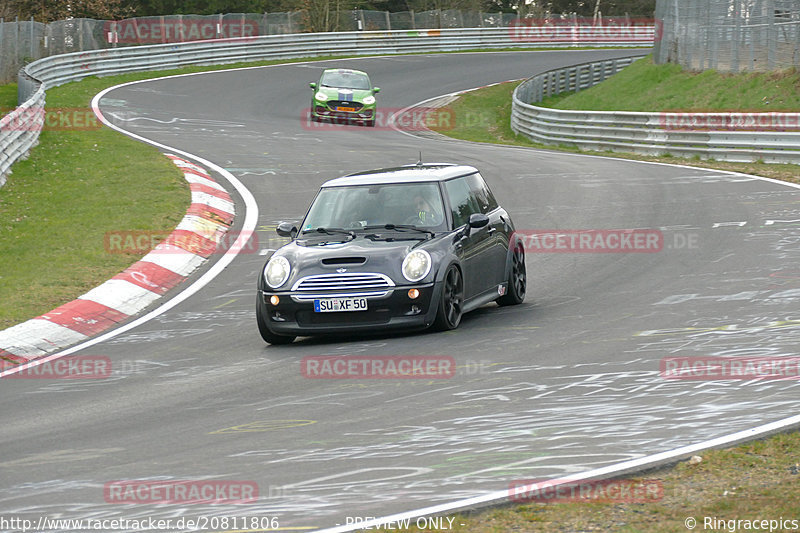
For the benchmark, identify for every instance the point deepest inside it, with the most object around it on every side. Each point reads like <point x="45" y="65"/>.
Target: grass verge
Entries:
<point x="755" y="481"/>
<point x="59" y="203"/>
<point x="644" y="86"/>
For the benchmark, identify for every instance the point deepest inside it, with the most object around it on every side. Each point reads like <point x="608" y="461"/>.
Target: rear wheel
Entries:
<point x="268" y="335"/>
<point x="517" y="279"/>
<point x="448" y="315"/>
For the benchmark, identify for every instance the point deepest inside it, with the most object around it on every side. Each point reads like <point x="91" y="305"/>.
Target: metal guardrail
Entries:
<point x="56" y="70"/>
<point x="729" y="136"/>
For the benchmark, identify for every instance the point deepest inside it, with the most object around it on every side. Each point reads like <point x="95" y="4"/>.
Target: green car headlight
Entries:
<point x="416" y="265"/>
<point x="369" y="100"/>
<point x="277" y="271"/>
<point x="321" y="96"/>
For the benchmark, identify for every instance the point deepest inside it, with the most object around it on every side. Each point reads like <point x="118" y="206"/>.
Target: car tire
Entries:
<point x="451" y="300"/>
<point x="517" y="279"/>
<point x="266" y="334"/>
<point x="370" y="123"/>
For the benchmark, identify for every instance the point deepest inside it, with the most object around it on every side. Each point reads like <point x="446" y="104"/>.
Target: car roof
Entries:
<point x="430" y="172"/>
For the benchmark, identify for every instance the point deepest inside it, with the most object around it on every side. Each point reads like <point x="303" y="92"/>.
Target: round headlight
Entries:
<point x="277" y="271"/>
<point x="321" y="96"/>
<point x="416" y="265"/>
<point x="369" y="100"/>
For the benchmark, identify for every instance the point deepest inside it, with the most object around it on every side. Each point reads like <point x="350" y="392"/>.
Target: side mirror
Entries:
<point x="376" y="90"/>
<point x="312" y="85"/>
<point x="287" y="229"/>
<point x="478" y="220"/>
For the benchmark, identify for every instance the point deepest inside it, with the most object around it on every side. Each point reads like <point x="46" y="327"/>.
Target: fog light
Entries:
<point x="413" y="294"/>
<point x="274" y="300"/>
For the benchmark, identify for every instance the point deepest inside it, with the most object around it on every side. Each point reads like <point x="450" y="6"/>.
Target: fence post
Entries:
<point x="772" y="40"/>
<point x="413" y="21"/>
<point x="16" y="40"/>
<point x="31" y="24"/>
<point x="2" y="56"/>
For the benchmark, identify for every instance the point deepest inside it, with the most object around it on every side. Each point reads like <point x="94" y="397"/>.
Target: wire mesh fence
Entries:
<point x="24" y="41"/>
<point x="729" y="35"/>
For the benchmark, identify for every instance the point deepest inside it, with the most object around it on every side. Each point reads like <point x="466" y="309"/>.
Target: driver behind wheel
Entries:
<point x="426" y="216"/>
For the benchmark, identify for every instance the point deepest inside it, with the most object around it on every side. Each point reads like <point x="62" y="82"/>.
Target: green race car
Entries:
<point x="344" y="95"/>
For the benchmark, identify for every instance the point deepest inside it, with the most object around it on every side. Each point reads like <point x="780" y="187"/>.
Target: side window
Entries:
<point x="480" y="191"/>
<point x="462" y="203"/>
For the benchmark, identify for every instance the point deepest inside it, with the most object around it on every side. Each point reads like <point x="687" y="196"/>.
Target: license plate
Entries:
<point x="335" y="305"/>
<point x="350" y="109"/>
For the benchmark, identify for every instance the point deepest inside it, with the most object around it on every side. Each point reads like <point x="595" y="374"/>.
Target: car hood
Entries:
<point x="334" y="93"/>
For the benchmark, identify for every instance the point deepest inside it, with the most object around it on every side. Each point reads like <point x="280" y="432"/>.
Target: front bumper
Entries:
<point x="394" y="311"/>
<point x="362" y="113"/>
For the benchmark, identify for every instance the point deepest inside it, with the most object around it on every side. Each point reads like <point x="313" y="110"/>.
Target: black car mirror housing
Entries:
<point x="478" y="220"/>
<point x="287" y="229"/>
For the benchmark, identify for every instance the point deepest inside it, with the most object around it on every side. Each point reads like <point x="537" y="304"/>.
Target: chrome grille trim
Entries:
<point x="364" y="282"/>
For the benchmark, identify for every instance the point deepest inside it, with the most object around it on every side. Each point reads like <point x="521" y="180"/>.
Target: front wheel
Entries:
<point x="448" y="315"/>
<point x="266" y="334"/>
<point x="517" y="279"/>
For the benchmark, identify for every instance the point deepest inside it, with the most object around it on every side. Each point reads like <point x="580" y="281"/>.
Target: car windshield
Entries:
<point x="344" y="79"/>
<point x="361" y="207"/>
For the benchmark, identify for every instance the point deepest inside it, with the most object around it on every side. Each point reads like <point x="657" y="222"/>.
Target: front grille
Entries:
<point x="342" y="284"/>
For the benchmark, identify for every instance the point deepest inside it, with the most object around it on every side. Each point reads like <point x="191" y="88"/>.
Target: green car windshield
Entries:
<point x="345" y="80"/>
<point x="358" y="206"/>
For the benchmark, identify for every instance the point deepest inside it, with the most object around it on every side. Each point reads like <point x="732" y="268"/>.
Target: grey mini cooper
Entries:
<point x="391" y="249"/>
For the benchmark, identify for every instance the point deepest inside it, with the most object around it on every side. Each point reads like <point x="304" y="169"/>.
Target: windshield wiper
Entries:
<point x="331" y="231"/>
<point x="400" y="227"/>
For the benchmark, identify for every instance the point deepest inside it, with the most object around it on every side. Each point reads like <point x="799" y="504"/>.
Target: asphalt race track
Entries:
<point x="568" y="381"/>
